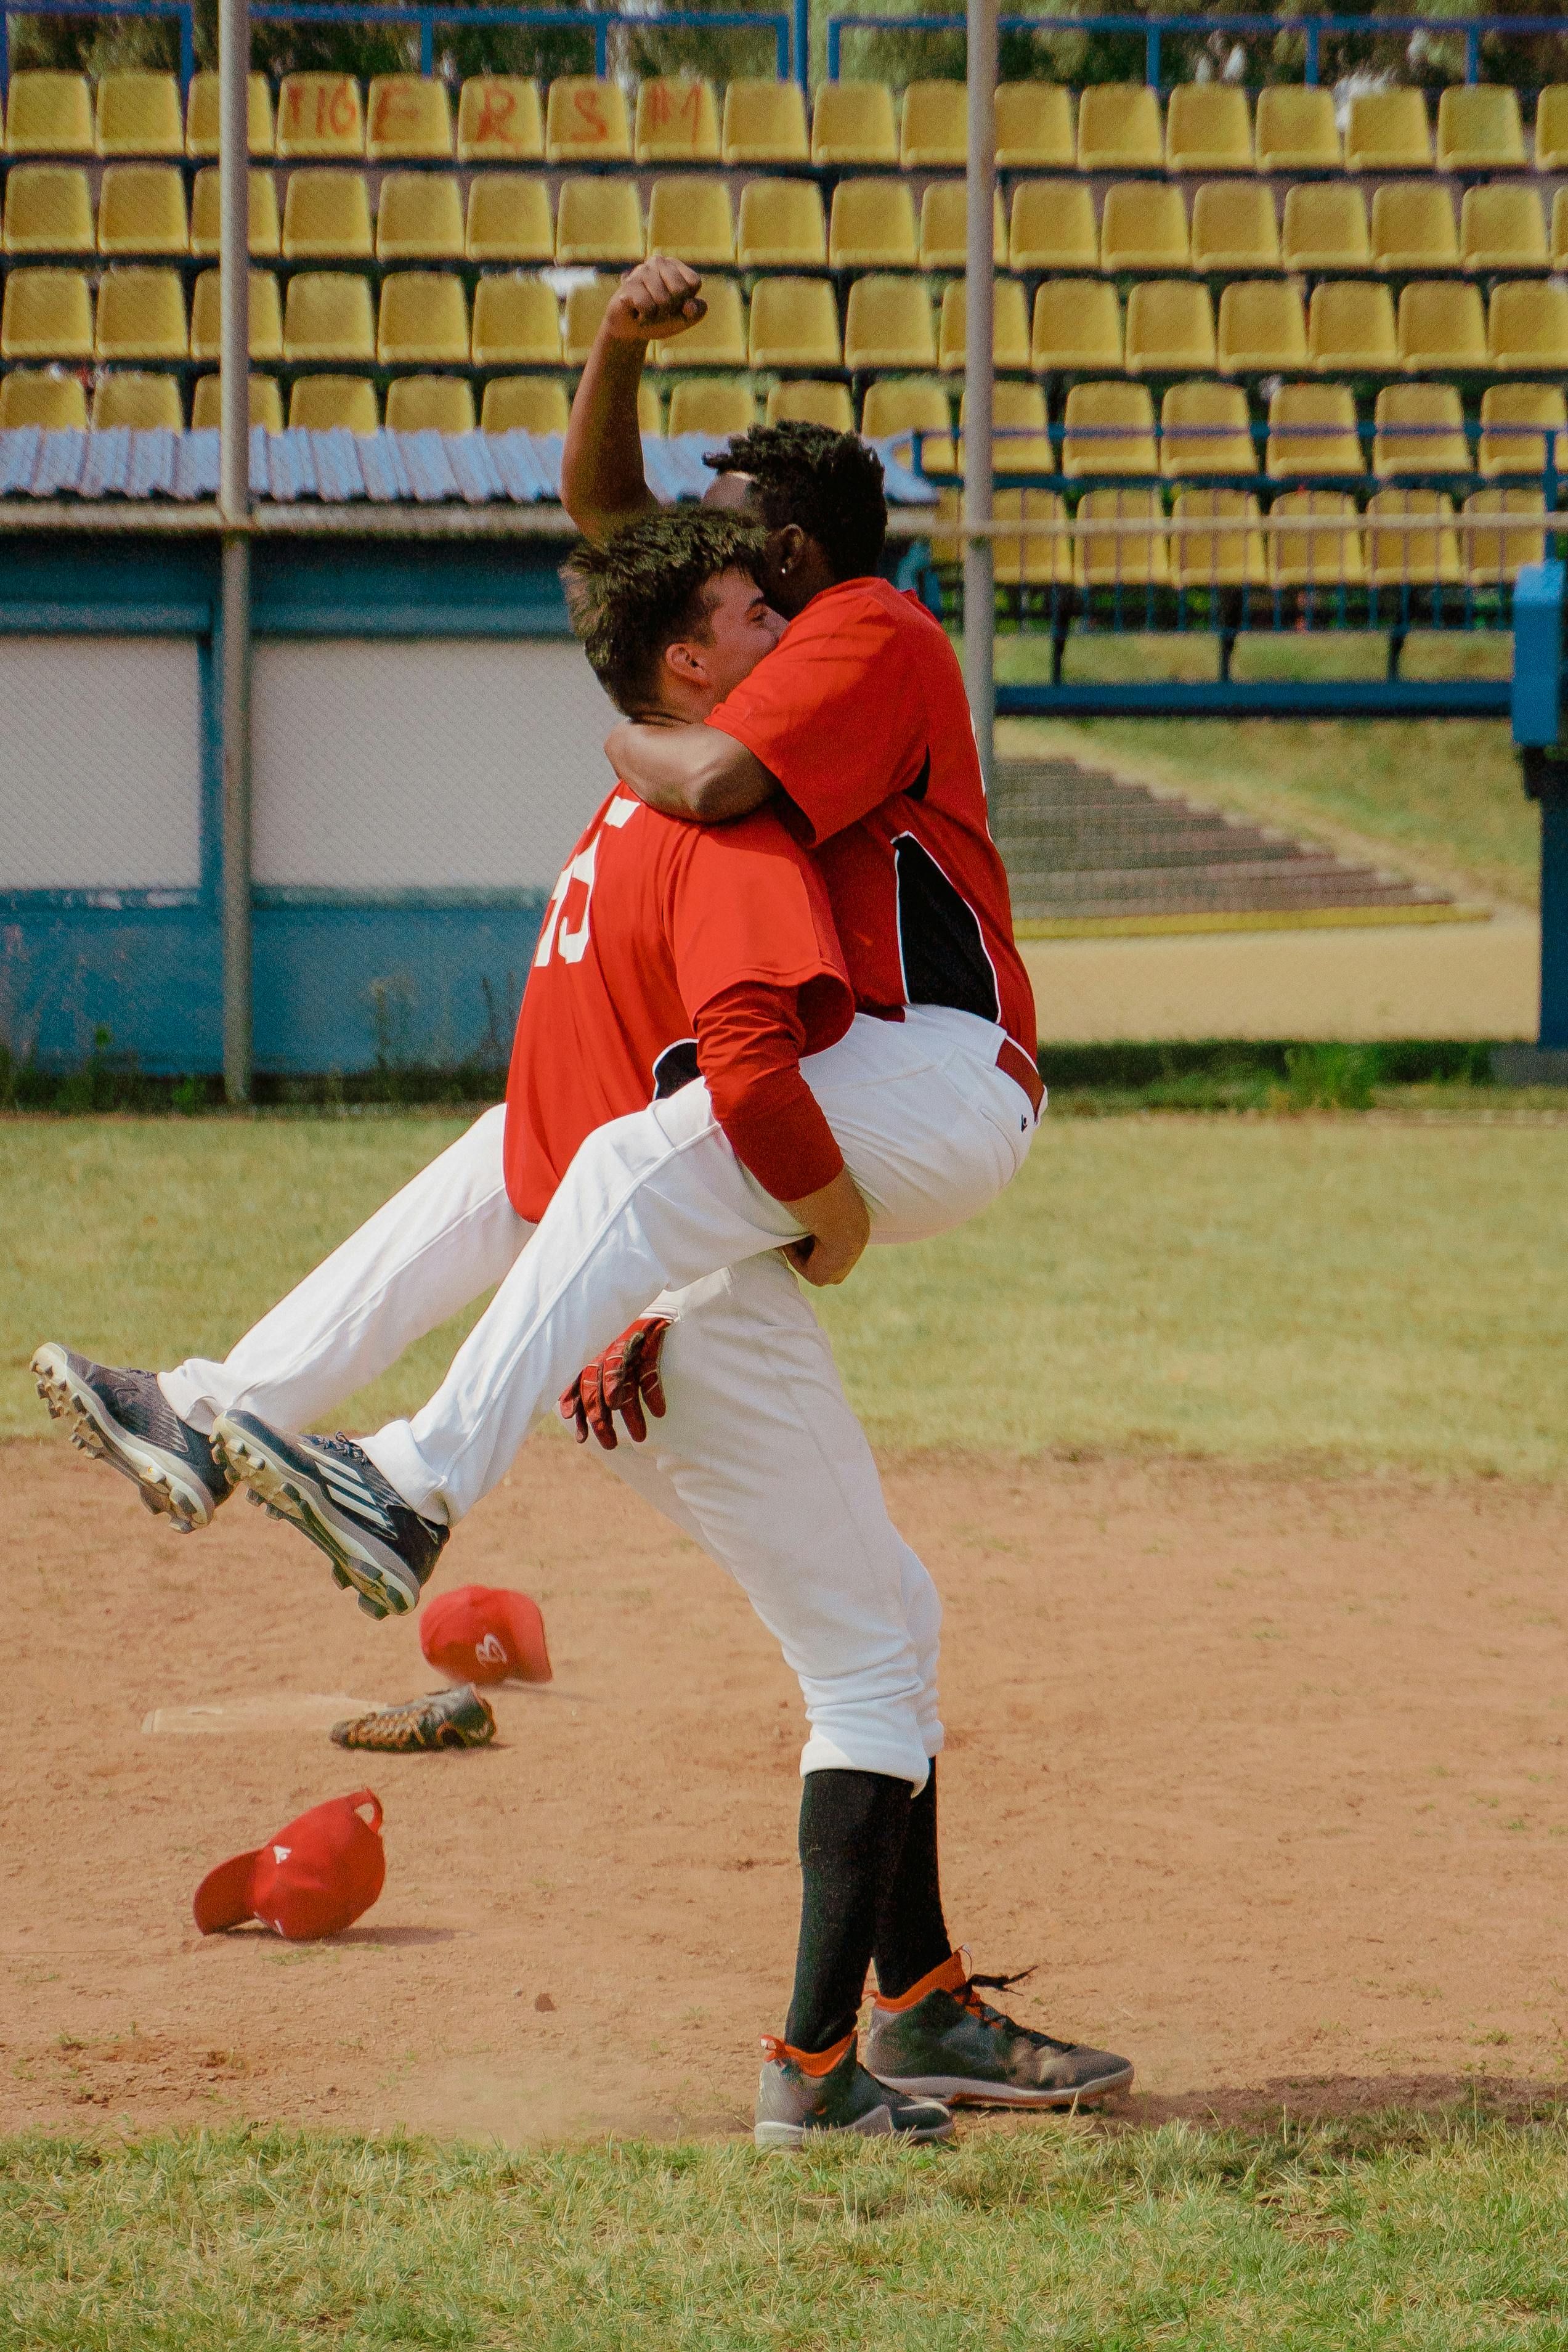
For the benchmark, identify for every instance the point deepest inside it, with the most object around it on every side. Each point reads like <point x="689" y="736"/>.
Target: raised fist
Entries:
<point x="621" y="1380"/>
<point x="659" y="298"/>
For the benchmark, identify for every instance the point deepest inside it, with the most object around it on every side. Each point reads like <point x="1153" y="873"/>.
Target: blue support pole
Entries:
<point x="833" y="34"/>
<point x="600" y="46"/>
<point x="1311" y="75"/>
<point x="1152" y="57"/>
<point x="426" y="42"/>
<point x="1554" y="918"/>
<point x="803" y="43"/>
<point x="187" y="48"/>
<point x="1473" y="54"/>
<point x="5" y="52"/>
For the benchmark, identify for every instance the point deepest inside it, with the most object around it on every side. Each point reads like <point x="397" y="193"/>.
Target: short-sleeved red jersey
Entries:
<point x="650" y="922"/>
<point x="861" y="713"/>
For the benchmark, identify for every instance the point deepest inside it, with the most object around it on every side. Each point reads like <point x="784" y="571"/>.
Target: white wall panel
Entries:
<point x="402" y="766"/>
<point x="100" y="776"/>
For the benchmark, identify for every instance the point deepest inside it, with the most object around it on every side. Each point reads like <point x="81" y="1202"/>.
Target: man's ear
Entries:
<point x="687" y="660"/>
<point x="789" y="543"/>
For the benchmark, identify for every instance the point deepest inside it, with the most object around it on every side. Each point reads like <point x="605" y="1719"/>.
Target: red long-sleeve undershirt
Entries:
<point x="749" y="1050"/>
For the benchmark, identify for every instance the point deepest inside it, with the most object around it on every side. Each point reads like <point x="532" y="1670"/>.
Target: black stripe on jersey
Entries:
<point x="940" y="941"/>
<point x="675" y="1067"/>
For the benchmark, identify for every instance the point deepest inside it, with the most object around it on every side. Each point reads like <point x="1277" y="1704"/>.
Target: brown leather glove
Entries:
<point x="621" y="1380"/>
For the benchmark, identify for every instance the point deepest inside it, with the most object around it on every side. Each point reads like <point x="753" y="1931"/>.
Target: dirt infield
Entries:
<point x="1270" y="1775"/>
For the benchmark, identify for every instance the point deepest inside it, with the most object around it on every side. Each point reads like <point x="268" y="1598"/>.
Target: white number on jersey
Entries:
<point x="558" y="932"/>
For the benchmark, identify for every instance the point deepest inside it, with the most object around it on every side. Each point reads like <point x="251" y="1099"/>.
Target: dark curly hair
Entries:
<point x="827" y="483"/>
<point x="637" y="591"/>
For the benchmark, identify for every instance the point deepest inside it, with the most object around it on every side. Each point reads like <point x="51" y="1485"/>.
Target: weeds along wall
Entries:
<point x="428" y="744"/>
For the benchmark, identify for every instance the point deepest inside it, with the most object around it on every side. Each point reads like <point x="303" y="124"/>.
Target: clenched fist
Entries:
<point x="657" y="299"/>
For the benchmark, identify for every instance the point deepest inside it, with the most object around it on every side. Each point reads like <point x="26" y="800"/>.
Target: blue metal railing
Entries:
<point x="183" y="11"/>
<point x="1312" y="30"/>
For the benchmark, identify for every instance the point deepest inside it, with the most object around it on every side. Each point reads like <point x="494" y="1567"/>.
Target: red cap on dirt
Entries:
<point x="485" y="1634"/>
<point x="313" y="1878"/>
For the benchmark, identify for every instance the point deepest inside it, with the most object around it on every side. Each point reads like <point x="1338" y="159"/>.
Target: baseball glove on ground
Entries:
<point x="621" y="1380"/>
<point x="446" y="1718"/>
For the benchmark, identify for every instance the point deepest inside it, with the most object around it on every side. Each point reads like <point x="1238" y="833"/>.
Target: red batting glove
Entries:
<point x="621" y="1380"/>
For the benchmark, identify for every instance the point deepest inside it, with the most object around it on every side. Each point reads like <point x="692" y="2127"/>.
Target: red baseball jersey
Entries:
<point x="860" y="712"/>
<point x="651" y="922"/>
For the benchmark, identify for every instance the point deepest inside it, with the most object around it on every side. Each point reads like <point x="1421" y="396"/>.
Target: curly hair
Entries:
<point x="635" y="593"/>
<point x="827" y="483"/>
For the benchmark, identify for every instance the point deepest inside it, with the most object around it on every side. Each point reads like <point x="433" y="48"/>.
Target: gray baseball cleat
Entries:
<point x="793" y="2106"/>
<point x="943" y="2042"/>
<point x="123" y="1418"/>
<point x="332" y="1492"/>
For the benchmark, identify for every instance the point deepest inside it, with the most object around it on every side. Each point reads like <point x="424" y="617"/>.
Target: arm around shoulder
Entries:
<point x="695" y="771"/>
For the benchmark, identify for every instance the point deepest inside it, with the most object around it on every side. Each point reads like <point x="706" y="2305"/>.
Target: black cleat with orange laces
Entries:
<point x="941" y="2040"/>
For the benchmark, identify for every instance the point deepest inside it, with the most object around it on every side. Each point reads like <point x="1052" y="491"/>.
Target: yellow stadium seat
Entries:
<point x="678" y="122"/>
<point x="806" y="403"/>
<point x="1325" y="228"/>
<point x="320" y="114"/>
<point x="782" y="225"/>
<point x="764" y="122"/>
<point x="598" y="220"/>
<point x="525" y="403"/>
<point x="202" y="112"/>
<point x="1077" y="328"/>
<point x="585" y="308"/>
<point x="851" y="123"/>
<point x="1053" y="227"/>
<point x="327" y="316"/>
<point x="1559" y="228"/>
<point x="139" y="114"/>
<point x="423" y="320"/>
<point x="917" y="407"/>
<point x="1234" y="228"/>
<point x="499" y="120"/>
<point x="49" y="114"/>
<point x="141" y="209"/>
<point x="872" y="225"/>
<point x="1119" y="128"/>
<point x="1413" y="226"/>
<point x="1204" y="430"/>
<point x="586" y="121"/>
<point x="408" y="119"/>
<point x="1216" y="541"/>
<point x="1442" y="327"/>
<point x="1143" y="227"/>
<point x="327" y="217"/>
<point x="712" y="405"/>
<point x="690" y="217"/>
<point x="265" y="404"/>
<point x="1109" y="428"/>
<point x="1020" y="438"/>
<point x="265" y="228"/>
<point x="148" y="404"/>
<point x="945" y="226"/>
<point x="1207" y="129"/>
<point x="1296" y="130"/>
<point x="1010" y="326"/>
<point x="1499" y="531"/>
<point x="37" y="396"/>
<point x="1262" y="328"/>
<point x="1170" y="326"/>
<point x="1035" y="130"/>
<point x="327" y="403"/>
<point x="889" y="323"/>
<point x="1035" y="558"/>
<point x="1502" y="227"/>
<point x="1388" y="132"/>
<point x="509" y="219"/>
<point x="1551" y="128"/>
<point x="718" y="339"/>
<point x="934" y="133"/>
<point x="1420" y="430"/>
<point x="47" y="315"/>
<point x="794" y="323"/>
<point x="1311" y="430"/>
<point x="1527" y="329"/>
<point x="48" y="209"/>
<point x="1350" y="328"/>
<point x="141" y="315"/>
<point x="430" y="404"/>
<point x="1107" y="553"/>
<point x="419" y="217"/>
<point x="1478" y="129"/>
<point x="1320" y="545"/>
<point x="1411" y="540"/>
<point x="266" y="317"/>
<point x="1516" y="419"/>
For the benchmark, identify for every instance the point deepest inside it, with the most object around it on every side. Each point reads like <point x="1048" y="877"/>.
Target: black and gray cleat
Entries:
<point x="123" y="1418"/>
<point x="793" y="2106"/>
<point x="942" y="2040"/>
<point x="447" y="1718"/>
<point x="332" y="1492"/>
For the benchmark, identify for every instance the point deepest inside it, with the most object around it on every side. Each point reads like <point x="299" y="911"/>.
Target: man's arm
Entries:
<point x="688" y="771"/>
<point x="603" y="483"/>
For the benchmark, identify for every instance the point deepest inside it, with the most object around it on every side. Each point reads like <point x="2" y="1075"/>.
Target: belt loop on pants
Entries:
<point x="1023" y="1071"/>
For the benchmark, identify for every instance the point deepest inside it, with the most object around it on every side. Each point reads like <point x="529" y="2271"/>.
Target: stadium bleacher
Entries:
<point x="1204" y="285"/>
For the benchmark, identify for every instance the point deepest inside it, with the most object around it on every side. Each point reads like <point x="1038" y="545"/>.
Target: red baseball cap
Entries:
<point x="313" y="1878"/>
<point x="485" y="1634"/>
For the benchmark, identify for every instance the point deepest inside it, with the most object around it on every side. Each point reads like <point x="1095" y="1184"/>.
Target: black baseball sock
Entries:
<point x="911" y="1935"/>
<point x="852" y="1828"/>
